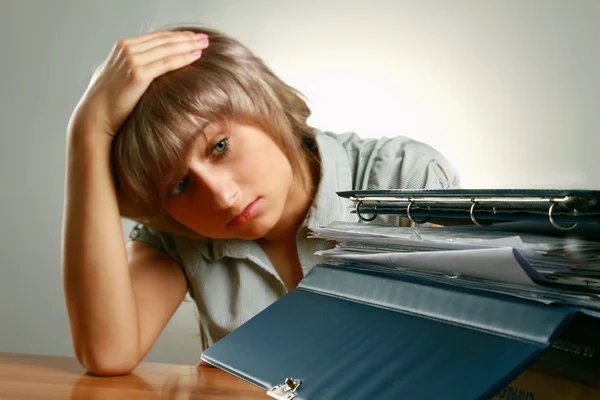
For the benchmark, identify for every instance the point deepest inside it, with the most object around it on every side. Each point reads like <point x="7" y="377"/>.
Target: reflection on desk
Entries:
<point x="48" y="377"/>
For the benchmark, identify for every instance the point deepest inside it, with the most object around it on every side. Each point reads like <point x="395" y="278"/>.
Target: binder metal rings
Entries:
<point x="472" y="214"/>
<point x="556" y="224"/>
<point x="358" y="204"/>
<point x="412" y="219"/>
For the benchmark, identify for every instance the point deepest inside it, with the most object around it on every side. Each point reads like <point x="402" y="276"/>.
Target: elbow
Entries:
<point x="109" y="369"/>
<point x="107" y="363"/>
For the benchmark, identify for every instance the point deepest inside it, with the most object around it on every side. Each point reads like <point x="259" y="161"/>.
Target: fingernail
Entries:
<point x="201" y="36"/>
<point x="196" y="53"/>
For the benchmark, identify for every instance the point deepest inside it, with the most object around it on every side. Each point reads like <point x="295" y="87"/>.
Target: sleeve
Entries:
<point x="163" y="242"/>
<point x="156" y="239"/>
<point x="402" y="163"/>
<point x="407" y="164"/>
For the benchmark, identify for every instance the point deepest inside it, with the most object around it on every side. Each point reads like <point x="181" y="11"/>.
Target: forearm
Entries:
<point x="98" y="290"/>
<point x="101" y="300"/>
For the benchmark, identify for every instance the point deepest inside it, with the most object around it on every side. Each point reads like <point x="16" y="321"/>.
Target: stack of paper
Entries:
<point x="544" y="268"/>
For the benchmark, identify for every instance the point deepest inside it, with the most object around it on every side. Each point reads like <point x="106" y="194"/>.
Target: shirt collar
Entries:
<point x="336" y="176"/>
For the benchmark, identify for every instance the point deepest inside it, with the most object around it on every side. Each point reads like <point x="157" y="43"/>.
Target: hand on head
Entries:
<point x="121" y="80"/>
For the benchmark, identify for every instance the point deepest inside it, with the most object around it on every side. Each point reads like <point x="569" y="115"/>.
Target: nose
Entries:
<point x="218" y="187"/>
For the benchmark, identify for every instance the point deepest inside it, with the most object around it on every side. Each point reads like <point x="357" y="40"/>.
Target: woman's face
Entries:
<point x="237" y="183"/>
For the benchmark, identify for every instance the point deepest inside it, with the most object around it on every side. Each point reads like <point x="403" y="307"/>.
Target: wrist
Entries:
<point x="88" y="120"/>
<point x="88" y="142"/>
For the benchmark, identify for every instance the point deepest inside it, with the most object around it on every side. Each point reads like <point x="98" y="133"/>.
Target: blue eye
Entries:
<point x="180" y="187"/>
<point x="221" y="147"/>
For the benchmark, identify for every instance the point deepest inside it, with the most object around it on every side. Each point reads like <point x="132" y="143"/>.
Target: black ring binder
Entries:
<point x="564" y="209"/>
<point x="472" y="214"/>
<point x="358" y="204"/>
<point x="554" y="223"/>
<point x="412" y="219"/>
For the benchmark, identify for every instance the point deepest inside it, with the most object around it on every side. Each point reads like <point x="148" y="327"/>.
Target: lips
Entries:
<point x="246" y="215"/>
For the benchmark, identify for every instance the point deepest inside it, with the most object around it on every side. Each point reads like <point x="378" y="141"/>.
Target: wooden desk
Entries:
<point x="49" y="378"/>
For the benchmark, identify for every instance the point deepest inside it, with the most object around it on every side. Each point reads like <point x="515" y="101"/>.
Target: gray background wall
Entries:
<point x="507" y="90"/>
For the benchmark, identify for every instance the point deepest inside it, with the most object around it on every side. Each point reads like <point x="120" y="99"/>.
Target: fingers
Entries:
<point x="165" y="47"/>
<point x="138" y="52"/>
<point x="163" y="65"/>
<point x="141" y="38"/>
<point x="146" y="57"/>
<point x="159" y="40"/>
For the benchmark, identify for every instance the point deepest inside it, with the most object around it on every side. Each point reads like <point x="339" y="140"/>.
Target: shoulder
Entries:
<point x="388" y="147"/>
<point x="184" y="250"/>
<point x="394" y="163"/>
<point x="160" y="240"/>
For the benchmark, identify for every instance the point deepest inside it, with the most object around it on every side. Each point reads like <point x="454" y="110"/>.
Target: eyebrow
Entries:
<point x="217" y="126"/>
<point x="202" y="129"/>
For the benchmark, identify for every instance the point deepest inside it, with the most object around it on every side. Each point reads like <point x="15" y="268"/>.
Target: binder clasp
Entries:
<point x="287" y="391"/>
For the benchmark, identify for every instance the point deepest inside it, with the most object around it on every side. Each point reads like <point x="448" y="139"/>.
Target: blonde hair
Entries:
<point x="228" y="82"/>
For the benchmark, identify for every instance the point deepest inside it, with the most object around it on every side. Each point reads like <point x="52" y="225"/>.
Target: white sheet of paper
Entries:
<point x="496" y="264"/>
<point x="385" y="235"/>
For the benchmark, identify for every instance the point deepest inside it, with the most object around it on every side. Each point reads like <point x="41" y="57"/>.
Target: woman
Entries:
<point x="191" y="135"/>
